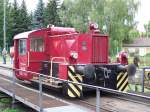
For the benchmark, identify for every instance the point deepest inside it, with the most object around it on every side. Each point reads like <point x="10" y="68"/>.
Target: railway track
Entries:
<point x="109" y="103"/>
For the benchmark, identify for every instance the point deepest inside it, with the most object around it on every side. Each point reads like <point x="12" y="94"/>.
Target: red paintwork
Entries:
<point x="91" y="47"/>
<point x="63" y="71"/>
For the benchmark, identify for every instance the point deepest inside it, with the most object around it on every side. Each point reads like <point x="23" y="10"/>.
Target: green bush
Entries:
<point x="10" y="110"/>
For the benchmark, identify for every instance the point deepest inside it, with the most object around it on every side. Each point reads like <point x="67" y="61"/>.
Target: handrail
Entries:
<point x="64" y="35"/>
<point x="97" y="88"/>
<point x="83" y="84"/>
<point x="52" y="59"/>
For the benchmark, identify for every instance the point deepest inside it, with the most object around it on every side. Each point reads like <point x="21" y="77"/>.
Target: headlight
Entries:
<point x="74" y="55"/>
<point x="93" y="26"/>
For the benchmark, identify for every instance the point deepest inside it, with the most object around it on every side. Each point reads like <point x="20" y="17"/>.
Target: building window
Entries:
<point x="37" y="45"/>
<point x="22" y="47"/>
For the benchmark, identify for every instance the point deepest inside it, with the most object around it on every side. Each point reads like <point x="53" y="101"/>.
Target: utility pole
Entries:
<point x="147" y="31"/>
<point x="4" y="24"/>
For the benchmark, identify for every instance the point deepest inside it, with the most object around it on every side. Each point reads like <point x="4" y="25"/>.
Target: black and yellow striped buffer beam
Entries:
<point x="122" y="81"/>
<point x="147" y="75"/>
<point x="74" y="90"/>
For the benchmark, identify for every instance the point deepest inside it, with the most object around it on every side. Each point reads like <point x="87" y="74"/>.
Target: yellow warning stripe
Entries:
<point x="74" y="89"/>
<point x="123" y="85"/>
<point x="147" y="72"/>
<point x="120" y="81"/>
<point x="79" y="76"/>
<point x="72" y="77"/>
<point x="72" y="68"/>
<point x="80" y="87"/>
<point x="147" y="75"/>
<point x="126" y="89"/>
<point x="70" y="93"/>
<point x="120" y="75"/>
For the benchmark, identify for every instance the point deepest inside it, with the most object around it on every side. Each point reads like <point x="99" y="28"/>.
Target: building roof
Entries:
<point x="139" y="42"/>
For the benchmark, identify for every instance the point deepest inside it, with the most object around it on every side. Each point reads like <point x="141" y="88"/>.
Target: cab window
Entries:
<point x="22" y="47"/>
<point x="37" y="45"/>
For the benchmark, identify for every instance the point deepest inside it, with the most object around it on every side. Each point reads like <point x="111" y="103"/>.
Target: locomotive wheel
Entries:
<point x="89" y="71"/>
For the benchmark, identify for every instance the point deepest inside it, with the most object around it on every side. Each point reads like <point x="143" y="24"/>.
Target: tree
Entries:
<point x="38" y="20"/>
<point x="133" y="34"/>
<point x="51" y="15"/>
<point x="147" y="29"/>
<point x="77" y="13"/>
<point x="14" y="21"/>
<point x="63" y="13"/>
<point x="25" y="18"/>
<point x="121" y="15"/>
<point x="116" y="16"/>
<point x="18" y="20"/>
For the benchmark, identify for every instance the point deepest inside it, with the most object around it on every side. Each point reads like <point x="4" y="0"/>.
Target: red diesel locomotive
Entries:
<point x="67" y="54"/>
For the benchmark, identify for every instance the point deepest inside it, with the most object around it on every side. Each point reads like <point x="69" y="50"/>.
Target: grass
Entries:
<point x="10" y="110"/>
<point x="5" y="105"/>
<point x="138" y="88"/>
<point x="7" y="59"/>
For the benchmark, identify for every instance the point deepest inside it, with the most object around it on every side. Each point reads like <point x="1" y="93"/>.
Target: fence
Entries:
<point x="145" y="77"/>
<point x="97" y="88"/>
<point x="140" y="81"/>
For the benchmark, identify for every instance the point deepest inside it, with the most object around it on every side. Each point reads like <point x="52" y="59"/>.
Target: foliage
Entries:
<point x="51" y="15"/>
<point x="6" y="103"/>
<point x="17" y="20"/>
<point x="133" y="34"/>
<point x="25" y="18"/>
<point x="76" y="13"/>
<point x="10" y="110"/>
<point x="65" y="20"/>
<point x="38" y="19"/>
<point x="147" y="29"/>
<point x="14" y="20"/>
<point x="116" y="17"/>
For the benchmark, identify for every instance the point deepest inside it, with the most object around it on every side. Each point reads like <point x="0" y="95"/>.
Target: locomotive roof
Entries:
<point x="23" y="35"/>
<point x="54" y="31"/>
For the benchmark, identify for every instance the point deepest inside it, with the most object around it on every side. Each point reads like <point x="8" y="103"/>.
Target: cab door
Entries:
<point x="37" y="53"/>
<point x="22" y="58"/>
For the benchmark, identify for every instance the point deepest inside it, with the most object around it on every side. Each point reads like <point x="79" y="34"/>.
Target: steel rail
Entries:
<point x="92" y="105"/>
